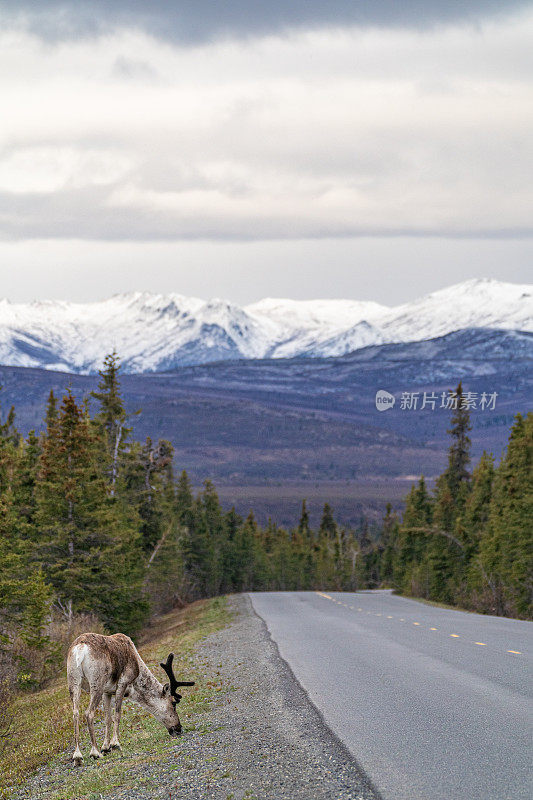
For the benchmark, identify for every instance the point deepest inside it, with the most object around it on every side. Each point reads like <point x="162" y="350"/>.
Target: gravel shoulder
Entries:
<point x="260" y="737"/>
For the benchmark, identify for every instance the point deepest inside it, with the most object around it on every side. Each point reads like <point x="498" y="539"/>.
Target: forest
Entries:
<point x="97" y="531"/>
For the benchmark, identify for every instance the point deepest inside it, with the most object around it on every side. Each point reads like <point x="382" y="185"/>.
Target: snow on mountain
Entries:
<point x="300" y="327"/>
<point x="154" y="332"/>
<point x="472" y="304"/>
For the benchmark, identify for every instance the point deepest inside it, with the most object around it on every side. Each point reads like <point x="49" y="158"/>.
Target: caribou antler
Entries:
<point x="167" y="667"/>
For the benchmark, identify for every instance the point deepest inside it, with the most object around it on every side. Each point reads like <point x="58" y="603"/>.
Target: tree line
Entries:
<point x="95" y="523"/>
<point x="470" y="542"/>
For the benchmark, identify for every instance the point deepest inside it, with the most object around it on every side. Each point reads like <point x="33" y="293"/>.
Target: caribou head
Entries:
<point x="170" y="689"/>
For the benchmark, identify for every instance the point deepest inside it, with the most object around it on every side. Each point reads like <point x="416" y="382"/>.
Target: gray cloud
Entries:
<point x="194" y="21"/>
<point x="88" y="212"/>
<point x="333" y="134"/>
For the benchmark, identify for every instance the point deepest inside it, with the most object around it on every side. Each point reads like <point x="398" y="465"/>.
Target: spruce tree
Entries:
<point x="506" y="548"/>
<point x="389" y="545"/>
<point x="410" y="567"/>
<point x="473" y="523"/>
<point x="244" y="554"/>
<point x="456" y="477"/>
<point x="87" y="542"/>
<point x="25" y="601"/>
<point x="445" y="558"/>
<point x="328" y="526"/>
<point x="26" y="477"/>
<point x="184" y="499"/>
<point x="304" y="528"/>
<point x="51" y="412"/>
<point x="112" y="416"/>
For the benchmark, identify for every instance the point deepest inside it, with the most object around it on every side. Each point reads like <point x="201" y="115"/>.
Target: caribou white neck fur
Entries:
<point x="107" y="666"/>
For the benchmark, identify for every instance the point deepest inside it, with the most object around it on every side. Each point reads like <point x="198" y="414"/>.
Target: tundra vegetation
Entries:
<point x="98" y="533"/>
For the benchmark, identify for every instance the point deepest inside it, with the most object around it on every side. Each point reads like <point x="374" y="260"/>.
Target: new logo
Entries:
<point x="384" y="400"/>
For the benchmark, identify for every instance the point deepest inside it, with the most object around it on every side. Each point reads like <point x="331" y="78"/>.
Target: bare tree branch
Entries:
<point x="436" y="532"/>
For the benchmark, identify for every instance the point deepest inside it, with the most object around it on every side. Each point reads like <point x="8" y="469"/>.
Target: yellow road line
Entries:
<point x="402" y="619"/>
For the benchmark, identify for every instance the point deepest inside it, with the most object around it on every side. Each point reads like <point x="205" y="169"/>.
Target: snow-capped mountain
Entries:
<point x="153" y="332"/>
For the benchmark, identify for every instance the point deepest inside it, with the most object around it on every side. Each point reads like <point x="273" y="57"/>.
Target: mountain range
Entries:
<point x="159" y="333"/>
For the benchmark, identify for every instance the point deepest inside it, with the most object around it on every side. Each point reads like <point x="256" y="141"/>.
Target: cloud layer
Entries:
<point x="194" y="21"/>
<point x="324" y="133"/>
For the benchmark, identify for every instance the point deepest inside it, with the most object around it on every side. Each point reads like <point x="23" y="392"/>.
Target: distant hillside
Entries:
<point x="157" y="333"/>
<point x="312" y="423"/>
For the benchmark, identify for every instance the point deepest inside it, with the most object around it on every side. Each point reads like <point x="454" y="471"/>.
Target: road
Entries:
<point x="434" y="704"/>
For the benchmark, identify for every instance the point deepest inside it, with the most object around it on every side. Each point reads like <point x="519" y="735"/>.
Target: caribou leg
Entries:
<point x="75" y="694"/>
<point x="106" y="747"/>
<point x="94" y="702"/>
<point x="119" y="697"/>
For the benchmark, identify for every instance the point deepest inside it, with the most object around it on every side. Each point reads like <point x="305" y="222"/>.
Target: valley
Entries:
<point x="270" y="432"/>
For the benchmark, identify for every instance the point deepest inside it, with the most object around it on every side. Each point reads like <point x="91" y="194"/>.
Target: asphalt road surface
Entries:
<point x="433" y="704"/>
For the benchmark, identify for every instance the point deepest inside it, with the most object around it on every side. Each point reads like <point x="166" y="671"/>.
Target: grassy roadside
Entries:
<point x="44" y="720"/>
<point x="447" y="606"/>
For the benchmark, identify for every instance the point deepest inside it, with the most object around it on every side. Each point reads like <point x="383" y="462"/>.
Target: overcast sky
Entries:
<point x="333" y="148"/>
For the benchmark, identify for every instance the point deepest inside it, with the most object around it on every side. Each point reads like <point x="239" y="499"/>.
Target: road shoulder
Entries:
<point x="256" y="735"/>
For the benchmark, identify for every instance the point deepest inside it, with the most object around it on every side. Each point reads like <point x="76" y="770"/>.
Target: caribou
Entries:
<point x="107" y="666"/>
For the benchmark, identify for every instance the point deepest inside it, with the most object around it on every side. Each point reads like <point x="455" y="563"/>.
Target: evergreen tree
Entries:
<point x="328" y="526"/>
<point x="244" y="554"/>
<point x="112" y="417"/>
<point x="473" y="524"/>
<point x="304" y="528"/>
<point x="506" y="548"/>
<point x="445" y="558"/>
<point x="88" y="544"/>
<point x="26" y="476"/>
<point x="364" y="557"/>
<point x="51" y="412"/>
<point x="184" y="499"/>
<point x="410" y="567"/>
<point x="25" y="601"/>
<point x="456" y="477"/>
<point x="9" y="440"/>
<point x="389" y="545"/>
<point x="145" y="477"/>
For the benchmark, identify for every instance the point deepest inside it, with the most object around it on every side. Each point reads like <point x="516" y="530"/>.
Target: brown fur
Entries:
<point x="117" y="651"/>
<point x="108" y="666"/>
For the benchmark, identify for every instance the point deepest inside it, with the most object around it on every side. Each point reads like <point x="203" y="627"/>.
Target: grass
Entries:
<point x="437" y="604"/>
<point x="44" y="719"/>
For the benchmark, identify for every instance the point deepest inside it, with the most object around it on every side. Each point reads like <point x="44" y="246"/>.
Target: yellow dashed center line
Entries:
<point x="402" y="619"/>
